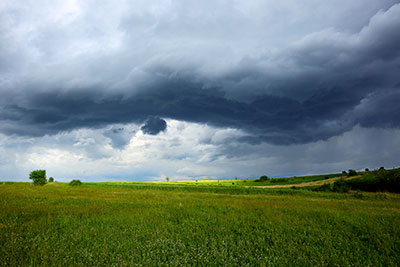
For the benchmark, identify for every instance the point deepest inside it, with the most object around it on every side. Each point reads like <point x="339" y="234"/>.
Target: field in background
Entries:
<point x="195" y="224"/>
<point x="236" y="182"/>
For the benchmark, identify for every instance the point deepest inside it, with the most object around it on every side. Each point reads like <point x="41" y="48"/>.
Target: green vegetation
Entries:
<point x="51" y="180"/>
<point x="75" y="183"/>
<point x="168" y="224"/>
<point x="263" y="178"/>
<point x="241" y="182"/>
<point x="376" y="181"/>
<point x="204" y="222"/>
<point x="38" y="177"/>
<point x="352" y="173"/>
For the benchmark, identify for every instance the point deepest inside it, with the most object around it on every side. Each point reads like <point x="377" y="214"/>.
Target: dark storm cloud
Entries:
<point x="154" y="126"/>
<point x="318" y="87"/>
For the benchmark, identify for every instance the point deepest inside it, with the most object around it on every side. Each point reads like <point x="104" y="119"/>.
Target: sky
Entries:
<point x="141" y="90"/>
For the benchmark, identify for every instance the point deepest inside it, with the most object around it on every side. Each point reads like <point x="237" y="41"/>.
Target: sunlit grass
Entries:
<point x="125" y="224"/>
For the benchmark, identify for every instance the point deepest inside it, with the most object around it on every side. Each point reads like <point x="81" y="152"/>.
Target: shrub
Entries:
<point x="375" y="181"/>
<point x="75" y="183"/>
<point x="279" y="180"/>
<point x="51" y="180"/>
<point x="352" y="173"/>
<point x="324" y="188"/>
<point x="263" y="178"/>
<point x="344" y="173"/>
<point x="38" y="177"/>
<point x="340" y="186"/>
<point x="366" y="170"/>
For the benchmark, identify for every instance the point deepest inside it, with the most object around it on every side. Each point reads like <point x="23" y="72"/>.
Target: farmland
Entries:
<point x="195" y="223"/>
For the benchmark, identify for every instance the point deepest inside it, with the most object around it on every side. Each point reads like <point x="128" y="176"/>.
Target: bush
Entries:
<point x="341" y="186"/>
<point x="279" y="180"/>
<point x="324" y="188"/>
<point x="51" y="180"/>
<point x="375" y="181"/>
<point x="38" y="177"/>
<point x="352" y="173"/>
<point x="75" y="183"/>
<point x="344" y="173"/>
<point x="263" y="178"/>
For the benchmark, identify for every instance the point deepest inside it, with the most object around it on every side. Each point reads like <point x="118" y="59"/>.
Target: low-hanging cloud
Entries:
<point x="154" y="126"/>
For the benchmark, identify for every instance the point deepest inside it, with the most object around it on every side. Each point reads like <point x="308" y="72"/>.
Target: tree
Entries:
<point x="38" y="177"/>
<point x="75" y="183"/>
<point x="51" y="180"/>
<point x="344" y="173"/>
<point x="366" y="170"/>
<point x="352" y="173"/>
<point x="167" y="179"/>
<point x="263" y="178"/>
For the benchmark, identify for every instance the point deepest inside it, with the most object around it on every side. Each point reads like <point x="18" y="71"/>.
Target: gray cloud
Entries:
<point x="315" y="82"/>
<point x="119" y="136"/>
<point x="154" y="126"/>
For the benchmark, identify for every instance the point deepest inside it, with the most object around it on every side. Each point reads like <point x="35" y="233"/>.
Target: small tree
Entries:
<point x="352" y="173"/>
<point x="366" y="170"/>
<point x="344" y="173"/>
<point x="264" y="178"/>
<point x="51" y="180"/>
<point x="38" y="177"/>
<point x="167" y="179"/>
<point x="75" y="183"/>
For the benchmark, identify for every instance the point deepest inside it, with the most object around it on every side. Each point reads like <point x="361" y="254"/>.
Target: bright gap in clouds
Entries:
<point x="188" y="151"/>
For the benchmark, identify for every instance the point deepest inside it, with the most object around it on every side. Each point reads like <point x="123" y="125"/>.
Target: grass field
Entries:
<point x="125" y="224"/>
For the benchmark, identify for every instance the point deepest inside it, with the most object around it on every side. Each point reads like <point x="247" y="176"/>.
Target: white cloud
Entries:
<point x="180" y="153"/>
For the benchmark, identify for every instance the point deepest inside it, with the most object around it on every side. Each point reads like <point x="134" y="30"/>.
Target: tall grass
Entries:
<point x="96" y="225"/>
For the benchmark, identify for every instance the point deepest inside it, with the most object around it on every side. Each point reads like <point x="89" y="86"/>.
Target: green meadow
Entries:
<point x="160" y="224"/>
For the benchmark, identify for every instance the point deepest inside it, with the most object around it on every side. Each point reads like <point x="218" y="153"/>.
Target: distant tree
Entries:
<point x="344" y="173"/>
<point x="366" y="169"/>
<point x="352" y="173"/>
<point x="382" y="168"/>
<point x="263" y="178"/>
<point x="75" y="183"/>
<point x="167" y="179"/>
<point x="38" y="177"/>
<point x="51" y="180"/>
<point x="236" y="178"/>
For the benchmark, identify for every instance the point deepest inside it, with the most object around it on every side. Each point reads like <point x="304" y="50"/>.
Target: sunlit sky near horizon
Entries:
<point x="142" y="90"/>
